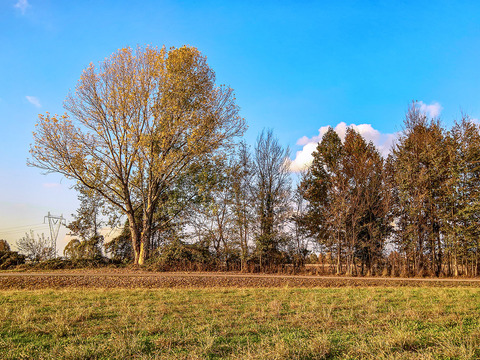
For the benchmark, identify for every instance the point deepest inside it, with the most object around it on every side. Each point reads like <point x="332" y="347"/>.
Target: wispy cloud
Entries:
<point x="34" y="101"/>
<point x="22" y="5"/>
<point x="433" y="110"/>
<point x="303" y="158"/>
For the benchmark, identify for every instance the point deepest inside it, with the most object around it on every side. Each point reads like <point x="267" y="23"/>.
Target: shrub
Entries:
<point x="4" y="246"/>
<point x="10" y="259"/>
<point x="180" y="256"/>
<point x="86" y="249"/>
<point x="120" y="248"/>
<point x="57" y="264"/>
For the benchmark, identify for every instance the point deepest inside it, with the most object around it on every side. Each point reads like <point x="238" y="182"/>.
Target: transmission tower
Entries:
<point x="54" y="223"/>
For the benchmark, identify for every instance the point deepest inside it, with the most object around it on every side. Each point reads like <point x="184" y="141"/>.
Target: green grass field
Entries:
<point x="283" y="323"/>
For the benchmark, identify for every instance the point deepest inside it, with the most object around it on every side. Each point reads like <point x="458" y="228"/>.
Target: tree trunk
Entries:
<point x="143" y="252"/>
<point x="421" y="262"/>
<point x="140" y="236"/>
<point x="449" y="263"/>
<point x="339" y="264"/>
<point x="348" y="272"/>
<point x="455" y="264"/>
<point x="243" y="259"/>
<point x="476" y="261"/>
<point x="135" y="233"/>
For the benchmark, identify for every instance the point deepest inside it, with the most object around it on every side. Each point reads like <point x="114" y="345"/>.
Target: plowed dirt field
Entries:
<point x="138" y="279"/>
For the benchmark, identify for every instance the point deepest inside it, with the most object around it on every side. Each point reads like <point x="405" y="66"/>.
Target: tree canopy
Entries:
<point x="135" y="124"/>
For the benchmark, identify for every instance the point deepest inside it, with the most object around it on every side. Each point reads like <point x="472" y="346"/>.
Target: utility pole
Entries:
<point x="54" y="223"/>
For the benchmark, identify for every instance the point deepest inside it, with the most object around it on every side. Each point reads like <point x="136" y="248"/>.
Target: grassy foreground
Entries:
<point x="285" y="323"/>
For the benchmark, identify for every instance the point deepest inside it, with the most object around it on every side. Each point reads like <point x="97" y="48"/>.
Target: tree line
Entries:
<point x="150" y="137"/>
<point x="413" y="213"/>
<point x="235" y="215"/>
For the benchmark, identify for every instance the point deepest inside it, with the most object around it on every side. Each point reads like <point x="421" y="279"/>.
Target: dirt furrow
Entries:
<point x="201" y="280"/>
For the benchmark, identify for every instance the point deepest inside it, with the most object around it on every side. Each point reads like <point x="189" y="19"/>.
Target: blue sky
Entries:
<point x="296" y="66"/>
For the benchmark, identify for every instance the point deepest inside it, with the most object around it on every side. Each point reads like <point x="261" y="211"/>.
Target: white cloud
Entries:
<point x="303" y="158"/>
<point x="34" y="101"/>
<point x="433" y="110"/>
<point x="22" y="5"/>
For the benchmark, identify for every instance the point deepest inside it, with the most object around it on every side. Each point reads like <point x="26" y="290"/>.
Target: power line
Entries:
<point x="21" y="230"/>
<point x="21" y="226"/>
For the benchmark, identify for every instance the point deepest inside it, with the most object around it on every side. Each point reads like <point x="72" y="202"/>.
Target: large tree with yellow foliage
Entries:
<point x="134" y="125"/>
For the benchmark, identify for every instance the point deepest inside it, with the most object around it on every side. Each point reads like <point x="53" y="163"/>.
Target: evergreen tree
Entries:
<point x="421" y="170"/>
<point x="324" y="186"/>
<point x="462" y="196"/>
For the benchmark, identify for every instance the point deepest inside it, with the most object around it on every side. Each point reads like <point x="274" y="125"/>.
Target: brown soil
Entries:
<point x="140" y="279"/>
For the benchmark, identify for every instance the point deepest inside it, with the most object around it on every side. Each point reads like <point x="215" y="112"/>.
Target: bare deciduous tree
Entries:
<point x="271" y="192"/>
<point x="242" y="201"/>
<point x="38" y="249"/>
